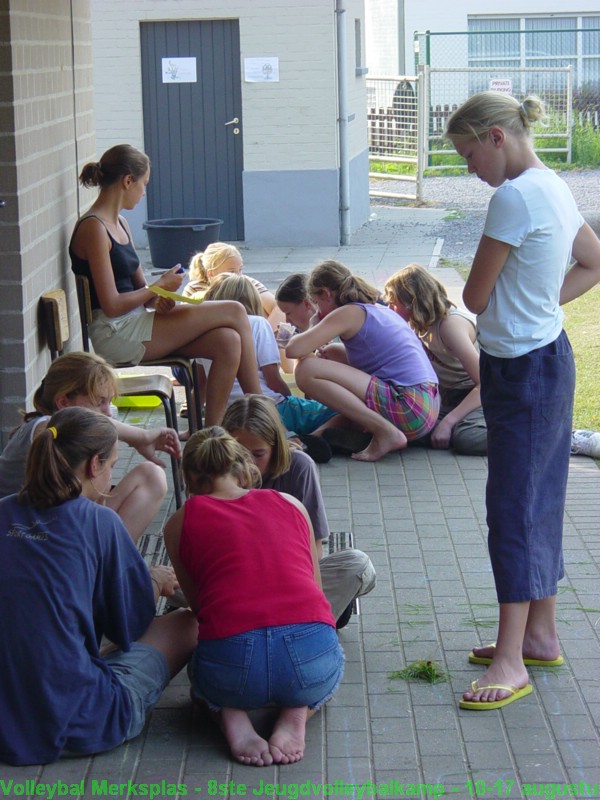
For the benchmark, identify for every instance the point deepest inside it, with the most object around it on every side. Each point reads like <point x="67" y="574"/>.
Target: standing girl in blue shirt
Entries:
<point x="517" y="283"/>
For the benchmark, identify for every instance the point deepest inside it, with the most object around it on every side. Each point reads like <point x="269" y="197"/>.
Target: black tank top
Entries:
<point x="123" y="258"/>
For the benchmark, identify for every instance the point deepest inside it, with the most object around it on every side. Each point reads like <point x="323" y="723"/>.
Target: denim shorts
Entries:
<point x="144" y="672"/>
<point x="528" y="407"/>
<point x="287" y="665"/>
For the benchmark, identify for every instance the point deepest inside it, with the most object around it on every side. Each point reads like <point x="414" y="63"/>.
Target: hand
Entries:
<point x="164" y="304"/>
<point x="172" y="279"/>
<point x="324" y="352"/>
<point x="441" y="435"/>
<point x="165" y="579"/>
<point x="284" y="333"/>
<point x="164" y="439"/>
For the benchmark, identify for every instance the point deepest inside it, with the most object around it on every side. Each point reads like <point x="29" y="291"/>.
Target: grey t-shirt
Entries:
<point x="302" y="482"/>
<point x="14" y="457"/>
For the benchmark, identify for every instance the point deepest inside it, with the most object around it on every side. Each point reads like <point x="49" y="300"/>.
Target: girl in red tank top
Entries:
<point x="247" y="562"/>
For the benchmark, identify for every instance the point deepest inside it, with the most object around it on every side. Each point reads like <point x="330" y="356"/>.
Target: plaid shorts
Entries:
<point x="412" y="409"/>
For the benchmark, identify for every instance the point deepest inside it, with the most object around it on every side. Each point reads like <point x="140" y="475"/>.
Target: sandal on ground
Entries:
<point x="483" y="705"/>
<point x="344" y="617"/>
<point x="316" y="447"/>
<point x="345" y="441"/>
<point x="529" y="662"/>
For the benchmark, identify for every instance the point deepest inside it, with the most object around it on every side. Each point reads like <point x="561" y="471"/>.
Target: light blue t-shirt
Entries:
<point x="536" y="214"/>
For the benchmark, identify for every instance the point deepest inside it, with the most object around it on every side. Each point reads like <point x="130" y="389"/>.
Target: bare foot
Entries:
<point x="379" y="446"/>
<point x="541" y="651"/>
<point x="286" y="744"/>
<point x="498" y="675"/>
<point x="245" y="743"/>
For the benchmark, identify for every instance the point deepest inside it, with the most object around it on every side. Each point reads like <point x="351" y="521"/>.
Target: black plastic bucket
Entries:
<point x="175" y="241"/>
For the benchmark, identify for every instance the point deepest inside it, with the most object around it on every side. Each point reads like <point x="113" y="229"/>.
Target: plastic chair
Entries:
<point x="190" y="371"/>
<point x="55" y="323"/>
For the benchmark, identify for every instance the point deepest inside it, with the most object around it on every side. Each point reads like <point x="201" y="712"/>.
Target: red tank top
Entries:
<point x="250" y="561"/>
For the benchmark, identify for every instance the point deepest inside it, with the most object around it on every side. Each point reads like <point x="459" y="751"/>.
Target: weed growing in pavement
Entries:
<point x="427" y="671"/>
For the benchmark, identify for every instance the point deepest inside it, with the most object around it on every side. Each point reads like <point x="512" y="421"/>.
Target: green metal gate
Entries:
<point x="393" y="125"/>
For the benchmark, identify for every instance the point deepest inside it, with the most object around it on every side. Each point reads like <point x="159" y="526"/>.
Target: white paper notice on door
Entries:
<point x="261" y="68"/>
<point x="179" y="70"/>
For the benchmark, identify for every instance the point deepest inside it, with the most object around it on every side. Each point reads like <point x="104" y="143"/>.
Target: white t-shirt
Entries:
<point x="537" y="215"/>
<point x="267" y="352"/>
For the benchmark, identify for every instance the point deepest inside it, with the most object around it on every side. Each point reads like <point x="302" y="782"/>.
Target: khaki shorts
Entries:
<point x="120" y="339"/>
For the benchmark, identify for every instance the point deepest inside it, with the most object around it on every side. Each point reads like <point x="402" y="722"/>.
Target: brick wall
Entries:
<point x="46" y="133"/>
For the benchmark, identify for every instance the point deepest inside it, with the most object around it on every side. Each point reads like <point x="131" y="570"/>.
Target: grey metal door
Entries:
<point x="193" y="129"/>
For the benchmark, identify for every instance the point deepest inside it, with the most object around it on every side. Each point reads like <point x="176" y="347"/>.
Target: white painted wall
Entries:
<point x="289" y="126"/>
<point x="383" y="28"/>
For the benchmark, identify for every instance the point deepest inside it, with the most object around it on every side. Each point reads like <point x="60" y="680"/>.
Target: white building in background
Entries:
<point x="390" y="26"/>
<point x="258" y="117"/>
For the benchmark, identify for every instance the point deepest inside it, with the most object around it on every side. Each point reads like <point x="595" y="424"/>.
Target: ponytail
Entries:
<point x="212" y="453"/>
<point x="73" y="437"/>
<point x="338" y="279"/>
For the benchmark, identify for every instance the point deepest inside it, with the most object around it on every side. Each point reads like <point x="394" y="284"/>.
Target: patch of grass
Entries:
<point x="427" y="671"/>
<point x="582" y="323"/>
<point x="480" y="622"/>
<point x="413" y="610"/>
<point x="392" y="168"/>
<point x="462" y="267"/>
<point x="454" y="213"/>
<point x="586" y="146"/>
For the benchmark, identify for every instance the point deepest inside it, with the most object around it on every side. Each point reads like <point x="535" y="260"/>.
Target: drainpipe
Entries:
<point x="342" y="69"/>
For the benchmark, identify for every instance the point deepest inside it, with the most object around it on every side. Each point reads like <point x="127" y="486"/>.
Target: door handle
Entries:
<point x="234" y="121"/>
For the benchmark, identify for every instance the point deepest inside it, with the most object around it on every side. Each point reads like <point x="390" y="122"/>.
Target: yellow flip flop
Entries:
<point x="482" y="705"/>
<point x="529" y="662"/>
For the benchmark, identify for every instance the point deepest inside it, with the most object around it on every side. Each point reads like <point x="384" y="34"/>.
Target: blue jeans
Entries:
<point x="528" y="407"/>
<point x="286" y="665"/>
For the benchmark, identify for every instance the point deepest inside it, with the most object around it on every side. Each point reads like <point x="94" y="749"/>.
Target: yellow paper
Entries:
<point x="179" y="298"/>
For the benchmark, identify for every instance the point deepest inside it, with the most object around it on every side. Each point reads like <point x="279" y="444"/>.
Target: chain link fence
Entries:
<point x="407" y="114"/>
<point x="445" y="89"/>
<point x="393" y="135"/>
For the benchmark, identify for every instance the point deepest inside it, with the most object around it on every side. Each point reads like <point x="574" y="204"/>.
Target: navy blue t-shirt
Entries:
<point x="69" y="574"/>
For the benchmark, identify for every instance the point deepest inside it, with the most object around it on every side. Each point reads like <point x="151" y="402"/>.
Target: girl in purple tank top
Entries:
<point x="379" y="377"/>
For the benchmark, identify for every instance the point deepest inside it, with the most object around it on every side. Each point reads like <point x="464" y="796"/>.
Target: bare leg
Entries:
<point x="182" y="332"/>
<point x="175" y="635"/>
<point x="244" y="742"/>
<point x="507" y="668"/>
<point x="137" y="498"/>
<point x="540" y="640"/>
<point x="223" y="347"/>
<point x="286" y="743"/>
<point x="344" y="388"/>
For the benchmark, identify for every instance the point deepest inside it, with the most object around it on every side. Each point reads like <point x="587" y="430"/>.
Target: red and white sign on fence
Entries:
<point x="501" y="85"/>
